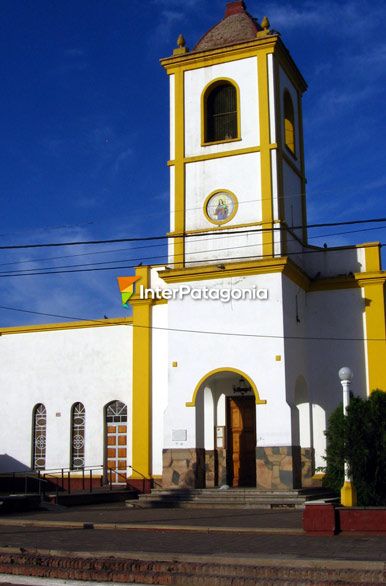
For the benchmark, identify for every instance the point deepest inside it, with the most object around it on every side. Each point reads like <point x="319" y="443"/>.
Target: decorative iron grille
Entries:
<point x="78" y="424"/>
<point x="39" y="437"/>
<point x="221" y="113"/>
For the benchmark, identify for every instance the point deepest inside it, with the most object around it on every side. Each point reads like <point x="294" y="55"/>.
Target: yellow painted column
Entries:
<point x="142" y="409"/>
<point x="279" y="155"/>
<point x="265" y="154"/>
<point x="179" y="169"/>
<point x="374" y="293"/>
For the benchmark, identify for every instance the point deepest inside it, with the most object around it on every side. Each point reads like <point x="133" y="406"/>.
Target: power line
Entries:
<point x="206" y="239"/>
<point x="206" y="332"/>
<point x="167" y="236"/>
<point x="193" y="262"/>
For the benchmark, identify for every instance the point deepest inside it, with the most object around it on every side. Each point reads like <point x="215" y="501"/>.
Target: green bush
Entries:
<point x="360" y="439"/>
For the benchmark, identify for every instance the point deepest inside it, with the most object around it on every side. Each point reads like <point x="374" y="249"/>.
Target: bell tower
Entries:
<point x="237" y="180"/>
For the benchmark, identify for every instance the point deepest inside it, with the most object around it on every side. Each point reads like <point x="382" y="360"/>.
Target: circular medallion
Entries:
<point x="220" y="206"/>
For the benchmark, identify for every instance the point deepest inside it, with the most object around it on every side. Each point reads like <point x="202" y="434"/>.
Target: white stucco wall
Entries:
<point x="232" y="173"/>
<point x="59" y="368"/>
<point x="159" y="382"/>
<point x="199" y="353"/>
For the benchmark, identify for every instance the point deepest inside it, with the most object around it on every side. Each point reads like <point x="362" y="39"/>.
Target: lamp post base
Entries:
<point x="348" y="495"/>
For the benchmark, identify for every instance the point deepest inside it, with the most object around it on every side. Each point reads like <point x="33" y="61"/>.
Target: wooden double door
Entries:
<point x="241" y="441"/>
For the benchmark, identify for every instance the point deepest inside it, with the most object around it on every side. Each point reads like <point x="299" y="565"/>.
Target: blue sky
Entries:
<point x="84" y="131"/>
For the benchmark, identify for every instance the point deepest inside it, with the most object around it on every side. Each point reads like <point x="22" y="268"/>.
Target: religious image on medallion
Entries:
<point x="220" y="207"/>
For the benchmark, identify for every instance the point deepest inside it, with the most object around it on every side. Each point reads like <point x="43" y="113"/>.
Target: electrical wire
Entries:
<point x="193" y="262"/>
<point x="205" y="332"/>
<point x="233" y="235"/>
<point x="174" y="236"/>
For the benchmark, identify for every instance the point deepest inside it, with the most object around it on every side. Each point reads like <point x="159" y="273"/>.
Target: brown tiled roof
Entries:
<point x="236" y="27"/>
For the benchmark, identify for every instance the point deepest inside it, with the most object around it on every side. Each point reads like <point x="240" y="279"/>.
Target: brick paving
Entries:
<point x="231" y="536"/>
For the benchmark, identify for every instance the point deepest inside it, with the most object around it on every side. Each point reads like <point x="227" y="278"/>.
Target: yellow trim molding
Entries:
<point x="70" y="325"/>
<point x="259" y="401"/>
<point x="219" y="228"/>
<point x="222" y="154"/>
<point x="231" y="216"/>
<point x="204" y="98"/>
<point x="375" y="318"/>
<point x="190" y="61"/>
<point x="142" y="338"/>
<point x="179" y="198"/>
<point x="265" y="153"/>
<point x="235" y="269"/>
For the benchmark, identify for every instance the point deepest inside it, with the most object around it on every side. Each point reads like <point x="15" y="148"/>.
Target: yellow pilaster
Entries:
<point x="265" y="154"/>
<point x="374" y="294"/>
<point x="279" y="154"/>
<point x="141" y="441"/>
<point x="179" y="198"/>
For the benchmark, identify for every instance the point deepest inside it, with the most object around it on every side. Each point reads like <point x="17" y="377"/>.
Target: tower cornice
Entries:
<point x="270" y="44"/>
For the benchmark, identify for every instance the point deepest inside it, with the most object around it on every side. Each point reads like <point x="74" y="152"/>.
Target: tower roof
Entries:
<point x="237" y="26"/>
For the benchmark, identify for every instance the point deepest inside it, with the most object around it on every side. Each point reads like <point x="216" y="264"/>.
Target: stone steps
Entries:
<point x="232" y="498"/>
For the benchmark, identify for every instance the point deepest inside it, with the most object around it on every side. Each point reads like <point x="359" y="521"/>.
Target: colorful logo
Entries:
<point x="126" y="287"/>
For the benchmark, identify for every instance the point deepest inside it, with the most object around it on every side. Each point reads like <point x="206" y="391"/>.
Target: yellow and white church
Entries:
<point x="226" y="372"/>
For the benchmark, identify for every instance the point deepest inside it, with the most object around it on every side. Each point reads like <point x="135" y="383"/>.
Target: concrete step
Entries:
<point x="232" y="498"/>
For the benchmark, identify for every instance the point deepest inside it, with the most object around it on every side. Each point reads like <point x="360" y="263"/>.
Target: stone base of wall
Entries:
<point x="210" y="468"/>
<point x="183" y="468"/>
<point x="279" y="467"/>
<point x="307" y="456"/>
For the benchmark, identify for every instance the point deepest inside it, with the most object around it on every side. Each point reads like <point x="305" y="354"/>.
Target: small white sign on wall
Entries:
<point x="179" y="435"/>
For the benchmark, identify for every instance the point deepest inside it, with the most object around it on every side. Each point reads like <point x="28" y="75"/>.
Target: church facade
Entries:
<point x="226" y="372"/>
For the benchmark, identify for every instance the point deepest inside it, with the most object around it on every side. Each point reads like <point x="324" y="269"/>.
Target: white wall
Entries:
<point x="199" y="353"/>
<point x="159" y="382"/>
<point x="59" y="368"/>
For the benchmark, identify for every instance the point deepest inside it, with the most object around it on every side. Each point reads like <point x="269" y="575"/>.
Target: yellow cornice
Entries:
<point x="198" y="59"/>
<point x="274" y="265"/>
<point x="271" y="44"/>
<point x="71" y="325"/>
<point x="349" y="281"/>
<point x="235" y="269"/>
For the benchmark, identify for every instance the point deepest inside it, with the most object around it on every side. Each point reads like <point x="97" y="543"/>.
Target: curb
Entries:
<point x="149" y="527"/>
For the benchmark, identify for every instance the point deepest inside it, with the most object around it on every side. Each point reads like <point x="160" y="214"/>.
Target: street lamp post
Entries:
<point x="348" y="497"/>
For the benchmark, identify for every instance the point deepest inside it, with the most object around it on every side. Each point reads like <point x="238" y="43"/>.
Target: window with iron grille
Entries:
<point x="78" y="421"/>
<point x="116" y="412"/>
<point x="221" y="112"/>
<point x="39" y="437"/>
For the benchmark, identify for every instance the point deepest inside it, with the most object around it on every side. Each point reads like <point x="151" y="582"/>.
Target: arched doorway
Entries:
<point x="225" y="400"/>
<point x="116" y="441"/>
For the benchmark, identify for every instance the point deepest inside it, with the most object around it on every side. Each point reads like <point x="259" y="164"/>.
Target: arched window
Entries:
<point x="220" y="112"/>
<point x="116" y="441"/>
<point x="39" y="423"/>
<point x="78" y="420"/>
<point x="289" y="122"/>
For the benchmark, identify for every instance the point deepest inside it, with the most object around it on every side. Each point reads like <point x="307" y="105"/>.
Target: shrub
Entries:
<point x="360" y="438"/>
